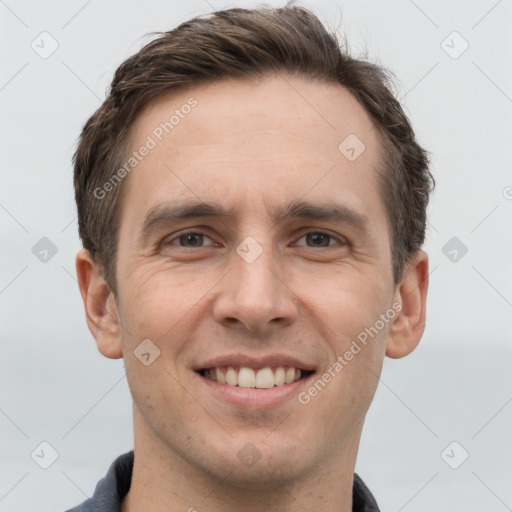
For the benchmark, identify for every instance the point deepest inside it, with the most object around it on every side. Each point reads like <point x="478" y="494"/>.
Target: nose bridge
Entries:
<point x="253" y="263"/>
<point x="254" y="294"/>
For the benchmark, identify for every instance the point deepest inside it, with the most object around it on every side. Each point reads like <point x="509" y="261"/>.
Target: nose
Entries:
<point x="255" y="295"/>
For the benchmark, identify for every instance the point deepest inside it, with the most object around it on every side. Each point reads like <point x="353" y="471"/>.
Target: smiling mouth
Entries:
<point x="260" y="378"/>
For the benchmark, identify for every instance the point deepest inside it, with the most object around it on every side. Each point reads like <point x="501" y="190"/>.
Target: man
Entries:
<point x="252" y="203"/>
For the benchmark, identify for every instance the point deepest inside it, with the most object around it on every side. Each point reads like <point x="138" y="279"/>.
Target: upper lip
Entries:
<point x="250" y="361"/>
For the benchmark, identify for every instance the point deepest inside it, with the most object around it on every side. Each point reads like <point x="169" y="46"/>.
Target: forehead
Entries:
<point x="237" y="141"/>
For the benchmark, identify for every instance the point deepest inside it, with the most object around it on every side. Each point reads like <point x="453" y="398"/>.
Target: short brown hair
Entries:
<point x="246" y="44"/>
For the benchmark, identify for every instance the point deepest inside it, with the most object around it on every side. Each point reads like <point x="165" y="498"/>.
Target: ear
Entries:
<point x="100" y="306"/>
<point x="407" y="328"/>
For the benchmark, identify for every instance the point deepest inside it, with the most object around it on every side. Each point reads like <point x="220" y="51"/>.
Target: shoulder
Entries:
<point x="362" y="498"/>
<point x="112" y="488"/>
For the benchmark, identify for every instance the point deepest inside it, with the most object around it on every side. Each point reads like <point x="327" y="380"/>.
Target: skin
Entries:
<point x="252" y="147"/>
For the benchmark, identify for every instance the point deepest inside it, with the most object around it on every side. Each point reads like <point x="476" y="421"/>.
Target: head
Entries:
<point x="310" y="195"/>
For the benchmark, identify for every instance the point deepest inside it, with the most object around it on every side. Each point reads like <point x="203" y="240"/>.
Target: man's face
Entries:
<point x="254" y="289"/>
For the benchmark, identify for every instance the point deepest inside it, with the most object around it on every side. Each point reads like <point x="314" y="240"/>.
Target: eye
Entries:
<point x="321" y="239"/>
<point x="194" y="239"/>
<point x="190" y="239"/>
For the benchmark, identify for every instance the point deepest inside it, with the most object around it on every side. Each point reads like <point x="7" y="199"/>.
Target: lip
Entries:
<point x="254" y="398"/>
<point x="248" y="361"/>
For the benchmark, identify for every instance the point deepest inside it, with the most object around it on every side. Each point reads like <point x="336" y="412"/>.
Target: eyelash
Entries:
<point x="340" y="240"/>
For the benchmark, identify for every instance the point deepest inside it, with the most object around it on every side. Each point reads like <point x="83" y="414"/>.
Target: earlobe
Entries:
<point x="100" y="306"/>
<point x="407" y="328"/>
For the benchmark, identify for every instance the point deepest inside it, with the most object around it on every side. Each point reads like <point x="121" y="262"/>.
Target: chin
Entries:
<point x="255" y="463"/>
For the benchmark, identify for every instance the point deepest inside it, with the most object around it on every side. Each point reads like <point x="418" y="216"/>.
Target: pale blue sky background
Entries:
<point x="457" y="386"/>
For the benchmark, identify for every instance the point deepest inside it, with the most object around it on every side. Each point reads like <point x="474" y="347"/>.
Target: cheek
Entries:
<point x="348" y="313"/>
<point x="158" y="395"/>
<point x="159" y="299"/>
<point x="341" y="395"/>
<point x="347" y="301"/>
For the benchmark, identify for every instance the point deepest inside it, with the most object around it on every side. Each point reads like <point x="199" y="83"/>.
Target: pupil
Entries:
<point x="316" y="237"/>
<point x="190" y="239"/>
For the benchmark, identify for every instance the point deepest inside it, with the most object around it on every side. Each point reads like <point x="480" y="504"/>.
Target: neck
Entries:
<point x="163" y="481"/>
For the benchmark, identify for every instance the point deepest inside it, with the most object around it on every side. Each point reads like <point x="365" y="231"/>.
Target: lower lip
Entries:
<point x="251" y="398"/>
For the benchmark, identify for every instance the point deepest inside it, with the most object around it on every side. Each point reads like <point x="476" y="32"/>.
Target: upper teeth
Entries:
<point x="248" y="378"/>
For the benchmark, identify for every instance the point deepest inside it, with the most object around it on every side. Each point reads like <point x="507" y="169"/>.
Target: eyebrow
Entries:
<point x="168" y="213"/>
